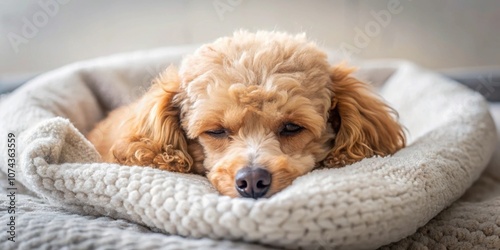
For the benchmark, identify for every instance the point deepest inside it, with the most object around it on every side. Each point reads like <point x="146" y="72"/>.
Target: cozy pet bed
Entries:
<point x="64" y="197"/>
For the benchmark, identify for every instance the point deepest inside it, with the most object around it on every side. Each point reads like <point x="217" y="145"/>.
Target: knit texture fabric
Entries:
<point x="64" y="191"/>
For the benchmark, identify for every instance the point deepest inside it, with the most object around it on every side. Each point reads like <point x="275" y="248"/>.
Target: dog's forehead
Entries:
<point x="271" y="95"/>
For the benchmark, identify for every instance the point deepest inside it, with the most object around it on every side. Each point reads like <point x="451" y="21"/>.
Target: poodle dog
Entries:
<point x="252" y="112"/>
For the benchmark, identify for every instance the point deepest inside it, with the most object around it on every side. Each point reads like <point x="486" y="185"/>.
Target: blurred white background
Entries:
<point x="39" y="35"/>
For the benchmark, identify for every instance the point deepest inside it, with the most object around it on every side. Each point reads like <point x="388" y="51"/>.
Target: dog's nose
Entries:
<point x="253" y="182"/>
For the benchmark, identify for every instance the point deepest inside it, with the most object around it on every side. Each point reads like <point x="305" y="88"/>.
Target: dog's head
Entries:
<point x="261" y="109"/>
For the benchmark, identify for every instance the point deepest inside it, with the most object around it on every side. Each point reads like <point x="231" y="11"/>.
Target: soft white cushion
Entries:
<point x="364" y="205"/>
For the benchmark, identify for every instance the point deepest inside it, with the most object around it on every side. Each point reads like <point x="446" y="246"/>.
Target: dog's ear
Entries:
<point x="364" y="124"/>
<point x="152" y="135"/>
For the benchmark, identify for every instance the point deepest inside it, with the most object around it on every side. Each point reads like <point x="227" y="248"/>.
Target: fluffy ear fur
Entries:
<point x="364" y="124"/>
<point x="150" y="134"/>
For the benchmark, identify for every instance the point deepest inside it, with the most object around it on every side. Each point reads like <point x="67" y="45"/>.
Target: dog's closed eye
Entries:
<point x="218" y="133"/>
<point x="290" y="129"/>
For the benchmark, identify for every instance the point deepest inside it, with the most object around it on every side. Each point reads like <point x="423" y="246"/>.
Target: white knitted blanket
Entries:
<point x="65" y="198"/>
